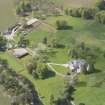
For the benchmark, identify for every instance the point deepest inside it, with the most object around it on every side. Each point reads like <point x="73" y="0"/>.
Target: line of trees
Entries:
<point x="37" y="8"/>
<point x="86" y="13"/>
<point x="97" y="13"/>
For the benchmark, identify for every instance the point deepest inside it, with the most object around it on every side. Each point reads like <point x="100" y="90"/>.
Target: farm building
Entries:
<point x="20" y="52"/>
<point x="32" y="21"/>
<point x="78" y="65"/>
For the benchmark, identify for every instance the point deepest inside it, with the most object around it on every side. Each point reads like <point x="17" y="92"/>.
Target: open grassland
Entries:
<point x="37" y="36"/>
<point x="7" y="14"/>
<point x="88" y="31"/>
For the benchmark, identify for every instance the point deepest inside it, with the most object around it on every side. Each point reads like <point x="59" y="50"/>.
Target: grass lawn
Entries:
<point x="61" y="69"/>
<point x="91" y="90"/>
<point x="12" y="60"/>
<point x="59" y="53"/>
<point x="90" y="96"/>
<point x="37" y="36"/>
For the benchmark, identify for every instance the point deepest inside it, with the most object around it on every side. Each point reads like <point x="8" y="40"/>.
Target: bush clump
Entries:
<point x="100" y="17"/>
<point x="86" y="13"/>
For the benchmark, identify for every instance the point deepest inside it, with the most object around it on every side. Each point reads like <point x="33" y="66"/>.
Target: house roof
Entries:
<point x="32" y="21"/>
<point x="76" y="64"/>
<point x="20" y="52"/>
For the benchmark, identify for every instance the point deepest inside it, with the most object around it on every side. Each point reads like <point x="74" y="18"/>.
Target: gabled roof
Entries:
<point x="32" y="21"/>
<point x="20" y="52"/>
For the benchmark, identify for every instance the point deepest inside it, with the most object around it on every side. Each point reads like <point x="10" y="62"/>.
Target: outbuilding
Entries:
<point x="32" y="21"/>
<point x="20" y="52"/>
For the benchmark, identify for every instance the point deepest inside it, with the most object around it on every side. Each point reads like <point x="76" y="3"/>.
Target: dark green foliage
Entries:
<point x="52" y="100"/>
<point x="31" y="66"/>
<point x="45" y="40"/>
<point x="22" y="7"/>
<point x="42" y="7"/>
<point x="75" y="12"/>
<point x="20" y="89"/>
<point x="67" y="95"/>
<point x="41" y="70"/>
<point x="68" y="91"/>
<point x="86" y="13"/>
<point x="3" y="43"/>
<point x="38" y="68"/>
<point x="81" y="104"/>
<point x="100" y="17"/>
<point x="53" y="42"/>
<point x="23" y="42"/>
<point x="62" y="25"/>
<point x="101" y="4"/>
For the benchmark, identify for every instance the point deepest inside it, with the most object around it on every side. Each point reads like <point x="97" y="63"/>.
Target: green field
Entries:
<point x="88" y="31"/>
<point x="7" y="14"/>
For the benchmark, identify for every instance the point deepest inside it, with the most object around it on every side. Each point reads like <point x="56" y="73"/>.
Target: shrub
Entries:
<point x="23" y="7"/>
<point x="75" y="12"/>
<point x="86" y="13"/>
<point x="100" y="17"/>
<point x="62" y="25"/>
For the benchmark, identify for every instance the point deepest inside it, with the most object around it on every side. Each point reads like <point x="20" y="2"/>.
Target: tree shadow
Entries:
<point x="67" y="27"/>
<point x="97" y="71"/>
<point x="50" y="74"/>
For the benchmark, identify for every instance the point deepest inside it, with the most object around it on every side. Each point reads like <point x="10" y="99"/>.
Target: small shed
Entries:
<point x="20" y="52"/>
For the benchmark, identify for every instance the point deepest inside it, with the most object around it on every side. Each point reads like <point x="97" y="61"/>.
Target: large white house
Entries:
<point x="78" y="65"/>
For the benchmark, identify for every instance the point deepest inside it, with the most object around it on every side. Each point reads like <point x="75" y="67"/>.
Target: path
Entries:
<point x="59" y="74"/>
<point x="49" y="65"/>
